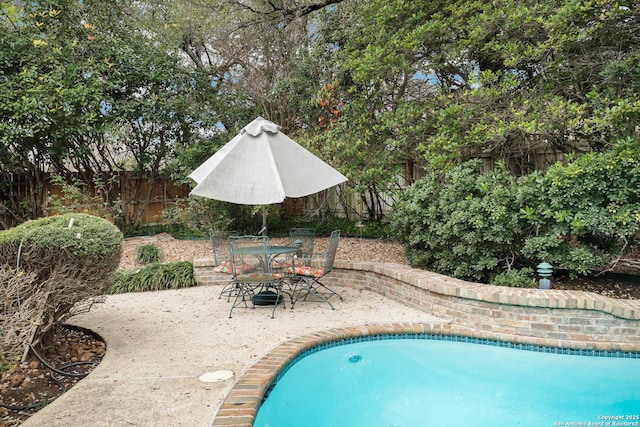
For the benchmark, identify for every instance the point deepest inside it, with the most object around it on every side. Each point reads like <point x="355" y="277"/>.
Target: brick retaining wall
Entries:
<point x="544" y="317"/>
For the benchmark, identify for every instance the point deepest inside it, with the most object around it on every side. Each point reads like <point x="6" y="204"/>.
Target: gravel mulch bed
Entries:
<point x="375" y="250"/>
<point x="187" y="250"/>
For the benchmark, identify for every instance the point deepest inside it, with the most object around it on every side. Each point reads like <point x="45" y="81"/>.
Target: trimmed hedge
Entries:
<point x="71" y="257"/>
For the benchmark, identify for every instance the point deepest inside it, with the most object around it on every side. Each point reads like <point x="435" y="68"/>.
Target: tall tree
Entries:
<point x="371" y="104"/>
<point x="593" y="53"/>
<point x="51" y="88"/>
<point x="89" y="92"/>
<point x="450" y="80"/>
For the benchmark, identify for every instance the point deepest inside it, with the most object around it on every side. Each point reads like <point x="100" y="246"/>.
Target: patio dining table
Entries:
<point x="269" y="254"/>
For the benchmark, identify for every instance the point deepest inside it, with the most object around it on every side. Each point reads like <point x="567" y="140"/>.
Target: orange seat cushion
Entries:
<point x="308" y="271"/>
<point x="224" y="267"/>
<point x="227" y="267"/>
<point x="259" y="277"/>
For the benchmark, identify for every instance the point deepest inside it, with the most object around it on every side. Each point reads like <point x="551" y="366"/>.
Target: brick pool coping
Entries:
<point x="547" y="318"/>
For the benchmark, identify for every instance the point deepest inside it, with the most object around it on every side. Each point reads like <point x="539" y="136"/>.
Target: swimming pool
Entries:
<point x="443" y="382"/>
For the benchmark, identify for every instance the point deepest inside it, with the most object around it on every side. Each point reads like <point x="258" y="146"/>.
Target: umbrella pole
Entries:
<point x="264" y="221"/>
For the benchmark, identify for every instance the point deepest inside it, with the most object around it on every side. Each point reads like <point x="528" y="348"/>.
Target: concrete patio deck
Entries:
<point x="160" y="343"/>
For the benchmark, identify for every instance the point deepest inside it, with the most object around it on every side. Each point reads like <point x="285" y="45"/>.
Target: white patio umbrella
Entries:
<point x="260" y="166"/>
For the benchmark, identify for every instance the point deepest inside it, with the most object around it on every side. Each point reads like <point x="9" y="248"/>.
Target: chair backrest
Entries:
<point x="247" y="254"/>
<point x="332" y="248"/>
<point x="220" y="246"/>
<point x="306" y="237"/>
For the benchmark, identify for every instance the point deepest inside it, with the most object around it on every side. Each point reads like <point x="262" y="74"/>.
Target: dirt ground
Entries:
<point x="31" y="385"/>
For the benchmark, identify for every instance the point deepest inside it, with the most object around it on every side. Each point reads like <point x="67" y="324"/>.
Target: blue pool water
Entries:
<point x="413" y="383"/>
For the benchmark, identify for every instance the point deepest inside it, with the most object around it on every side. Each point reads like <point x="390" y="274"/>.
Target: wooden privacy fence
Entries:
<point x="136" y="196"/>
<point x="143" y="201"/>
<point x="147" y="199"/>
<point x="162" y="193"/>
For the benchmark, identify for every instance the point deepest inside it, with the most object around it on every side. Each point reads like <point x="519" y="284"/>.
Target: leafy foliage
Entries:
<point x="147" y="254"/>
<point x="380" y="89"/>
<point x="584" y="214"/>
<point x="431" y="83"/>
<point x="204" y="215"/>
<point x="472" y="224"/>
<point x="77" y="234"/>
<point x="466" y="228"/>
<point x="86" y="91"/>
<point x="155" y="277"/>
<point x="78" y="197"/>
<point x="523" y="278"/>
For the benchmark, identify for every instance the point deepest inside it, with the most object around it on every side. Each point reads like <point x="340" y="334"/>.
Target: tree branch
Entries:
<point x="276" y="11"/>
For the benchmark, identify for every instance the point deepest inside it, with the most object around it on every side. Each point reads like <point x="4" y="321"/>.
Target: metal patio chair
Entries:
<point x="221" y="258"/>
<point x="303" y="239"/>
<point x="307" y="272"/>
<point x="306" y="238"/>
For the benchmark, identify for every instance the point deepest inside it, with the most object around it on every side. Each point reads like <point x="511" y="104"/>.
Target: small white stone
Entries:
<point x="215" y="376"/>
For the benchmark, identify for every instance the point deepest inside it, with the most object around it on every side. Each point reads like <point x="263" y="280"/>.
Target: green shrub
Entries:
<point x="569" y="256"/>
<point x="467" y="228"/>
<point x="155" y="277"/>
<point x="147" y="254"/>
<point x="69" y="259"/>
<point x="523" y="278"/>
<point x="582" y="216"/>
<point x="578" y="217"/>
<point x="88" y="235"/>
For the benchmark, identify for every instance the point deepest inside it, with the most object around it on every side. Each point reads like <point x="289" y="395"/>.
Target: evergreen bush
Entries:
<point x="70" y="259"/>
<point x="466" y="228"/>
<point x="583" y="216"/>
<point x="471" y="224"/>
<point x="523" y="278"/>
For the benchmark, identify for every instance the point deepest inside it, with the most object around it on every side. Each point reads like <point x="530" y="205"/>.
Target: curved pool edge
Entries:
<point x="241" y="404"/>
<point x="545" y="318"/>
